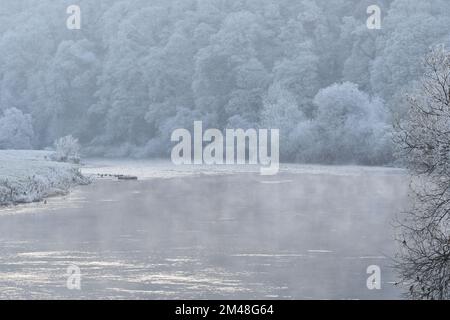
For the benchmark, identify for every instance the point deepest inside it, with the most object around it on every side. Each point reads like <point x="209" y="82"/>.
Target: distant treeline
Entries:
<point x="137" y="70"/>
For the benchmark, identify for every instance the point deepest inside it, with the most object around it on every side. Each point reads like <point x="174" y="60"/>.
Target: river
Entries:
<point x="306" y="233"/>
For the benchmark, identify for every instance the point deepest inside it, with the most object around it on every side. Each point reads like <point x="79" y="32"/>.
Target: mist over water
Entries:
<point x="295" y="235"/>
<point x="85" y="84"/>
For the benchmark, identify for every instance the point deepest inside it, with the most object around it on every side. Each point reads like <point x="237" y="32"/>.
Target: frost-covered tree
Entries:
<point x="424" y="144"/>
<point x="350" y="126"/>
<point x="137" y="65"/>
<point x="68" y="86"/>
<point x="67" y="149"/>
<point x="281" y="112"/>
<point x="299" y="76"/>
<point x="16" y="130"/>
<point x="409" y="29"/>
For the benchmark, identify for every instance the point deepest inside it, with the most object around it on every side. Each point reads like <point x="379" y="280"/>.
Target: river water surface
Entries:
<point x="307" y="233"/>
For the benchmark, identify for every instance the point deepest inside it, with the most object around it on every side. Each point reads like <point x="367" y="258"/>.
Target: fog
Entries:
<point x="121" y="76"/>
<point x="98" y="87"/>
<point x="240" y="235"/>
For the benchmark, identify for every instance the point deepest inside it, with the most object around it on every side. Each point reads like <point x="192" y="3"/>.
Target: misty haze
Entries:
<point x="224" y="149"/>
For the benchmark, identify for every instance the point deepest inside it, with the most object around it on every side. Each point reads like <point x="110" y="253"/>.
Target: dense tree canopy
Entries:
<point x="138" y="69"/>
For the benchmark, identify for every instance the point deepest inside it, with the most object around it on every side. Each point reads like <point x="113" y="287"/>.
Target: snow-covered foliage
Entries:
<point x="141" y="67"/>
<point x="27" y="176"/>
<point x="16" y="130"/>
<point x="424" y="143"/>
<point x="347" y="126"/>
<point x="350" y="126"/>
<point x="67" y="149"/>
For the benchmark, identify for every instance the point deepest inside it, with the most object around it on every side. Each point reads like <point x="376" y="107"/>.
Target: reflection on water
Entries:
<point x="295" y="235"/>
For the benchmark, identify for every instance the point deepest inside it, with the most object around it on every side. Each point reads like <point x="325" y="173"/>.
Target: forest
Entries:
<point x="137" y="70"/>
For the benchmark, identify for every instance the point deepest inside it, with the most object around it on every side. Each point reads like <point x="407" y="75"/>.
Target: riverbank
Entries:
<point x="146" y="169"/>
<point x="30" y="175"/>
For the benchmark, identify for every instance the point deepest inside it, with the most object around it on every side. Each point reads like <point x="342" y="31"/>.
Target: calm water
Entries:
<point x="296" y="236"/>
